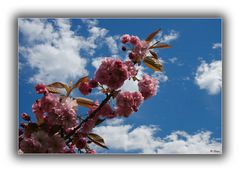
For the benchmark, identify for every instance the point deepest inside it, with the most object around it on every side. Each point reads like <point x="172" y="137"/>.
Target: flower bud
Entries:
<point x="81" y="143"/>
<point x="93" y="83"/>
<point x="124" y="48"/>
<point x="26" y="117"/>
<point x="23" y="125"/>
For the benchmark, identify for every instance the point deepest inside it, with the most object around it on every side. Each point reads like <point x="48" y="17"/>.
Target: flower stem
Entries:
<point x="92" y="115"/>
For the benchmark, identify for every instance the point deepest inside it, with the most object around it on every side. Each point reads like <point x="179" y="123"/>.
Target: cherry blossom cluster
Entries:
<point x="138" y="49"/>
<point x="60" y="128"/>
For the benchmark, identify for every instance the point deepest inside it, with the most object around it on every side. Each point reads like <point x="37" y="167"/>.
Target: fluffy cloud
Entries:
<point x="167" y="38"/>
<point x="142" y="139"/>
<point x="209" y="76"/>
<point x="54" y="51"/>
<point x="173" y="59"/>
<point x="112" y="44"/>
<point x="217" y="45"/>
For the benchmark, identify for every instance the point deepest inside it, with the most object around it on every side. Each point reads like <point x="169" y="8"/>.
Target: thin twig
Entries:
<point x="92" y="115"/>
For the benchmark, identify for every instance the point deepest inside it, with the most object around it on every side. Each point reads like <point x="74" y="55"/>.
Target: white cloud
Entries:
<point x="55" y="51"/>
<point x="209" y="76"/>
<point x="160" y="76"/>
<point x="112" y="44"/>
<point x="142" y="139"/>
<point x="131" y="85"/>
<point x="114" y="121"/>
<point x="217" y="45"/>
<point x="173" y="60"/>
<point x="167" y="38"/>
<point x="96" y="62"/>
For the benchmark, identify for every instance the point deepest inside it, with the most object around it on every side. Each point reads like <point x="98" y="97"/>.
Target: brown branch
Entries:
<point x="92" y="115"/>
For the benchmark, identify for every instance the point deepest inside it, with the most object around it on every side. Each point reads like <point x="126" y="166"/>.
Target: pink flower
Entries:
<point x="125" y="38"/>
<point x="69" y="119"/>
<point x="88" y="126"/>
<point x="105" y="111"/>
<point x="41" y="138"/>
<point x="148" y="86"/>
<point x="139" y="49"/>
<point x="38" y="111"/>
<point x="85" y="88"/>
<point x="132" y="71"/>
<point x="93" y="83"/>
<point x="128" y="102"/>
<point x="91" y="151"/>
<point x="112" y="72"/>
<point x="56" y="144"/>
<point x="134" y="40"/>
<point x="28" y="145"/>
<point x="49" y="102"/>
<point x="81" y="143"/>
<point x="41" y="89"/>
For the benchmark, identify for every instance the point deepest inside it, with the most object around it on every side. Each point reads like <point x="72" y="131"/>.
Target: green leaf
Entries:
<point x="153" y="63"/>
<point x="151" y="36"/>
<point x="98" y="140"/>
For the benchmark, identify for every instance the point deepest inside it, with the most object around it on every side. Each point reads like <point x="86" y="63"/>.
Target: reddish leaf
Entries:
<point x="160" y="46"/>
<point x="98" y="140"/>
<point x="154" y="54"/>
<point x="83" y="79"/>
<point x="85" y="102"/>
<point x="153" y="63"/>
<point x="52" y="90"/>
<point x="58" y="85"/>
<point x="151" y="36"/>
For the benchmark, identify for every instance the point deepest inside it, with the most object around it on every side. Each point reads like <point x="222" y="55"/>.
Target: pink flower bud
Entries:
<point x="93" y="83"/>
<point x="41" y="89"/>
<point x="81" y="143"/>
<point x="85" y="88"/>
<point x="125" y="38"/>
<point x="26" y="117"/>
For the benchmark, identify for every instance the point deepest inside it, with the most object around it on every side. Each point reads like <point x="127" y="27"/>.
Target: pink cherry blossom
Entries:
<point x="38" y="111"/>
<point x="127" y="102"/>
<point x="139" y="50"/>
<point x="125" y="38"/>
<point x="81" y="143"/>
<point x="91" y="151"/>
<point x="42" y="139"/>
<point x="134" y="40"/>
<point x="112" y="72"/>
<point x="88" y="126"/>
<point x="49" y="101"/>
<point x="41" y="89"/>
<point x="28" y="145"/>
<point x="85" y="88"/>
<point x="93" y="83"/>
<point x="106" y="111"/>
<point x="132" y="71"/>
<point x="148" y="86"/>
<point x="56" y="144"/>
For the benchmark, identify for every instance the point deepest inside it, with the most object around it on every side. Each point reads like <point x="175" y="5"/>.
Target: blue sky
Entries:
<point x="184" y="116"/>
